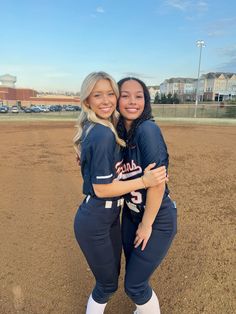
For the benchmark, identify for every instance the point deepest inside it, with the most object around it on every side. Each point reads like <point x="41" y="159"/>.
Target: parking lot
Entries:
<point x="4" y="109"/>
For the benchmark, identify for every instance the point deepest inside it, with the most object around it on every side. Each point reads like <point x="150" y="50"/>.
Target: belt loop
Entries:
<point x="120" y="202"/>
<point x="108" y="204"/>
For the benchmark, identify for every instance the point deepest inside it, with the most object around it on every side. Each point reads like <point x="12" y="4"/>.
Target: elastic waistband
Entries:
<point x="107" y="204"/>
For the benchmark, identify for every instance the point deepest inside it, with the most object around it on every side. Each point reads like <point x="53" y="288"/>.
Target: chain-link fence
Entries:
<point x="218" y="110"/>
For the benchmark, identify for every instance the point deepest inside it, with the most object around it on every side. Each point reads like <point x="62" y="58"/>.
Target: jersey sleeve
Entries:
<point x="152" y="145"/>
<point x="102" y="152"/>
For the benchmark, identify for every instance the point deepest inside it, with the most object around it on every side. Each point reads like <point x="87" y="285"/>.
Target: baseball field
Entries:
<point x="42" y="269"/>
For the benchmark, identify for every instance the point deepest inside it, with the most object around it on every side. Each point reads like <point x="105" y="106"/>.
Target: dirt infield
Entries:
<point x="42" y="270"/>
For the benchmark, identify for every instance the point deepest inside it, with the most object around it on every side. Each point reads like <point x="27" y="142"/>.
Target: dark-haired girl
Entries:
<point x="97" y="221"/>
<point x="149" y="215"/>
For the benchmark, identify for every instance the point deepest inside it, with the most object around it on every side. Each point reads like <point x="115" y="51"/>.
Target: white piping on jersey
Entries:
<point x="130" y="174"/>
<point x="104" y="177"/>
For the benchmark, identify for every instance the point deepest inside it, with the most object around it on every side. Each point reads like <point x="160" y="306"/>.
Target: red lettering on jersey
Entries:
<point x="127" y="170"/>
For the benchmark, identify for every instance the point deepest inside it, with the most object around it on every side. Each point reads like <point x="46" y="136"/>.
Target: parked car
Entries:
<point x="44" y="109"/>
<point x="3" y="109"/>
<point x="70" y="108"/>
<point x="27" y="110"/>
<point x="36" y="109"/>
<point x="14" y="109"/>
<point x="55" y="108"/>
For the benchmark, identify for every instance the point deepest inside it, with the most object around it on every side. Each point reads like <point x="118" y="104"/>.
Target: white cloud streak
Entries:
<point x="228" y="51"/>
<point x="199" y="6"/>
<point x="229" y="66"/>
<point x="100" y="10"/>
<point x="138" y="75"/>
<point x="181" y="5"/>
<point x="230" y="54"/>
<point x="221" y="27"/>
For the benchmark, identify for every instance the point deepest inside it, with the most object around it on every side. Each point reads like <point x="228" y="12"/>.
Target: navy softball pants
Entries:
<point x="141" y="264"/>
<point x="97" y="230"/>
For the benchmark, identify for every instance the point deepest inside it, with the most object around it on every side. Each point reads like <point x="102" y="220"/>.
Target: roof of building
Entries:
<point x="8" y="77"/>
<point x="180" y="80"/>
<point x="212" y="75"/>
<point x="153" y="86"/>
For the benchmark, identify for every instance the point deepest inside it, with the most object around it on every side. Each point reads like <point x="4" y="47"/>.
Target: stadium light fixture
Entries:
<point x="200" y="44"/>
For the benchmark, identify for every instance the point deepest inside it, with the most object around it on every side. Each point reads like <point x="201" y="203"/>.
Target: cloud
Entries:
<point x="229" y="66"/>
<point x="202" y="6"/>
<point x="138" y="75"/>
<point x="199" y="6"/>
<point x="221" y="27"/>
<point x="56" y="75"/>
<point x="37" y="75"/>
<point x="181" y="5"/>
<point x="100" y="10"/>
<point x="230" y="54"/>
<point x="43" y="70"/>
<point x="216" y="33"/>
<point x="228" y="51"/>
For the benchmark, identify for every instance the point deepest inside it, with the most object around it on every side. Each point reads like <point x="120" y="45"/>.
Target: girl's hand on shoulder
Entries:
<point x="143" y="234"/>
<point x="154" y="177"/>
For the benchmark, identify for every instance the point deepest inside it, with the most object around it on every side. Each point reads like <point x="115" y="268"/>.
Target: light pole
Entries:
<point x="200" y="44"/>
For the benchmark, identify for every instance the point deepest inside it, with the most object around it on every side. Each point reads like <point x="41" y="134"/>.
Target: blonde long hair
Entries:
<point x="87" y="114"/>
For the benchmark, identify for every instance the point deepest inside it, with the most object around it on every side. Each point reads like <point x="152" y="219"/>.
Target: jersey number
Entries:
<point x="136" y="197"/>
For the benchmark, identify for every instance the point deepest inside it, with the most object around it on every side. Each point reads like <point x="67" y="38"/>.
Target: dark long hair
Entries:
<point x="146" y="114"/>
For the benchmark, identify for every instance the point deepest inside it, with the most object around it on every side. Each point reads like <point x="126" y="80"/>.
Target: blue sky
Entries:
<point x="54" y="44"/>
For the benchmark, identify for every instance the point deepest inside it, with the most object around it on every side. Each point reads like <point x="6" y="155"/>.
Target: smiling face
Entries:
<point x="131" y="101"/>
<point x="102" y="100"/>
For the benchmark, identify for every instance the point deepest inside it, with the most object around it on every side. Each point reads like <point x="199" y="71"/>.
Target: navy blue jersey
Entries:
<point x="100" y="155"/>
<point x="148" y="146"/>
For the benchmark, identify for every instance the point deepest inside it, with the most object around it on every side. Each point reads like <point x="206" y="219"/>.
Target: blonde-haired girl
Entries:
<point x="97" y="223"/>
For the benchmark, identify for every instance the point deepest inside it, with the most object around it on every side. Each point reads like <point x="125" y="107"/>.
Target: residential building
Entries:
<point x="184" y="88"/>
<point x="213" y="86"/>
<point x="153" y="90"/>
<point x="219" y="86"/>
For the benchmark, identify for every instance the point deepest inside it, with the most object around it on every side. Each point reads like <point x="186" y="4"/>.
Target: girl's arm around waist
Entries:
<point x="150" y="178"/>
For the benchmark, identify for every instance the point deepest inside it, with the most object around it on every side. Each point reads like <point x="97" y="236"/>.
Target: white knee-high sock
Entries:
<point x="151" y="307"/>
<point x="95" y="308"/>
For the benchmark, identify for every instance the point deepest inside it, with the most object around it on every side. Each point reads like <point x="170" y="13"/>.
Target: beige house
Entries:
<point x="219" y="86"/>
<point x="213" y="86"/>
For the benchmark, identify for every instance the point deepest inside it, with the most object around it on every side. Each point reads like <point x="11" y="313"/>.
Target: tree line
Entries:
<point x="169" y="99"/>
